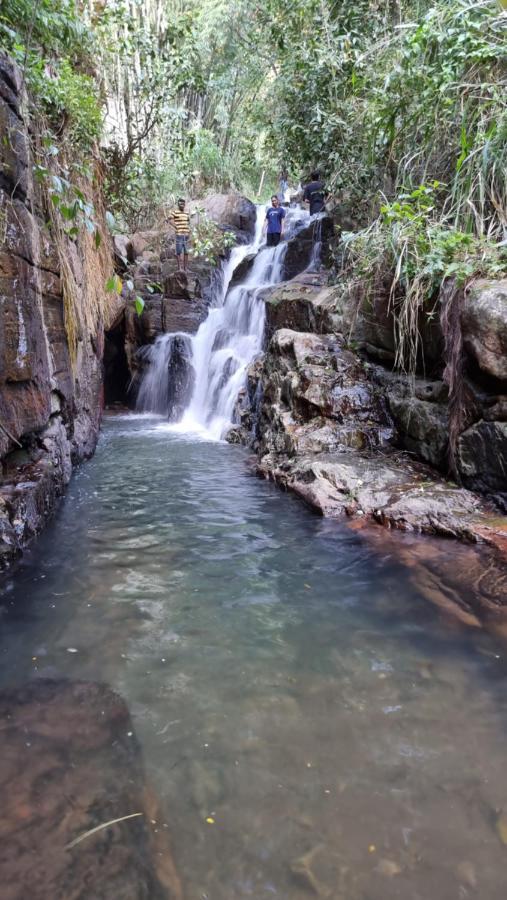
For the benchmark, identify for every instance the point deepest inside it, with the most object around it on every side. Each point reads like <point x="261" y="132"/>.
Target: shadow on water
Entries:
<point x="310" y="723"/>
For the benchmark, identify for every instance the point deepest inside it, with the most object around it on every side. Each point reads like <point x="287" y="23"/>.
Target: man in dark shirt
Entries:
<point x="274" y="222"/>
<point x="315" y="194"/>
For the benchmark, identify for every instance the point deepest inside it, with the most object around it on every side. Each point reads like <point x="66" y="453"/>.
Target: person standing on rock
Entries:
<point x="315" y="194"/>
<point x="284" y="186"/>
<point x="273" y="223"/>
<point x="180" y="221"/>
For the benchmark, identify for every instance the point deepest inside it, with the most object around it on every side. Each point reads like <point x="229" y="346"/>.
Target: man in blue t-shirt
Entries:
<point x="274" y="222"/>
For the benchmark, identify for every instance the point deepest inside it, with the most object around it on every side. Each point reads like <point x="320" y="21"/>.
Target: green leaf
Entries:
<point x="139" y="304"/>
<point x="98" y="239"/>
<point x="114" y="284"/>
<point x="461" y="159"/>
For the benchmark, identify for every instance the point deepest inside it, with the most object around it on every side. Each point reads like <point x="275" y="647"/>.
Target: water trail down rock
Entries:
<point x="215" y="360"/>
<point x="316" y="258"/>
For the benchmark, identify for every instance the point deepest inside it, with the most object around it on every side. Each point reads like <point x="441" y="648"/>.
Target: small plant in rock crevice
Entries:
<point x="208" y="240"/>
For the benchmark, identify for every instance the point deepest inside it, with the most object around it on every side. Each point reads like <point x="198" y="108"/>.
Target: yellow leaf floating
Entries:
<point x="210" y="821"/>
<point x="501" y="827"/>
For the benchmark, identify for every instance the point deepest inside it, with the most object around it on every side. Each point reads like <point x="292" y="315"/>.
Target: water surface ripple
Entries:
<point x="284" y="682"/>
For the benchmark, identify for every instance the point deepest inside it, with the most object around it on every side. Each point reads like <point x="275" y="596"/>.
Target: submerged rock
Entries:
<point x="389" y="489"/>
<point x="70" y="762"/>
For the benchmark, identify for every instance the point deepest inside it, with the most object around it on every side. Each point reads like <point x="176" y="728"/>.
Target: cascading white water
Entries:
<point x="226" y="342"/>
<point x="315" y="260"/>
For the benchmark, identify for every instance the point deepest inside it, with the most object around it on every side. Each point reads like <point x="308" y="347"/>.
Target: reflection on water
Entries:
<point x="312" y="727"/>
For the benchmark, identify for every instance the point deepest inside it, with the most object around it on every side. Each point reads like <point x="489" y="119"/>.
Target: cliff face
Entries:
<point x="50" y="384"/>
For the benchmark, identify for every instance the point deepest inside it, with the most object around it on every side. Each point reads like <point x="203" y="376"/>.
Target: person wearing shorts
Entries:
<point x="274" y="224"/>
<point x="180" y="220"/>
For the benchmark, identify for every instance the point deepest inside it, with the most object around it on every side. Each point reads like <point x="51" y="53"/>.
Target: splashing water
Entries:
<point x="225" y="344"/>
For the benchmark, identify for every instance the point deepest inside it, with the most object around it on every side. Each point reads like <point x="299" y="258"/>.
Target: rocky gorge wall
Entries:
<point x="50" y="383"/>
<point x="330" y="418"/>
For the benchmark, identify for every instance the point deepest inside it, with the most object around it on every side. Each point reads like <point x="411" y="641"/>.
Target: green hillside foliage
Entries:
<point x="403" y="106"/>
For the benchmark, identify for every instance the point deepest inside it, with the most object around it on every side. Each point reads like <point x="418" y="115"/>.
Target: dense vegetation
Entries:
<point x="402" y="104"/>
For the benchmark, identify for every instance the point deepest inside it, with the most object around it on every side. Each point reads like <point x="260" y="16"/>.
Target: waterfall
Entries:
<point x="315" y="261"/>
<point x="216" y="359"/>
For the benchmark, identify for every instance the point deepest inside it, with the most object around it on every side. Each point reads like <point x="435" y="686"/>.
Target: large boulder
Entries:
<point x="422" y="423"/>
<point x="231" y="212"/>
<point x="142" y="241"/>
<point x="484" y="326"/>
<point x="388" y="489"/>
<point x="303" y="304"/>
<point x="316" y="395"/>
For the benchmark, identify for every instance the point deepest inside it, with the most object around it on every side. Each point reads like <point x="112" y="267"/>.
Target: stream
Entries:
<point x="309" y="723"/>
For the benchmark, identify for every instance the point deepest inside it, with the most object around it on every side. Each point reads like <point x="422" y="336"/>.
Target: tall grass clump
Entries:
<point x="435" y="119"/>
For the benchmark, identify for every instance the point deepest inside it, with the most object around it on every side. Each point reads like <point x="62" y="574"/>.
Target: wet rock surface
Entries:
<point x="351" y="437"/>
<point x="300" y="249"/>
<point x="302" y="304"/>
<point x="70" y="762"/>
<point x="315" y="390"/>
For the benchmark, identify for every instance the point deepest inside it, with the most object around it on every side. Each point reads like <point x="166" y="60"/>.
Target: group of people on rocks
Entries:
<point x="314" y="194"/>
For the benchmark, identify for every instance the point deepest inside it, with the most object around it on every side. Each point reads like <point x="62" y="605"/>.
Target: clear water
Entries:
<point x="282" y="679"/>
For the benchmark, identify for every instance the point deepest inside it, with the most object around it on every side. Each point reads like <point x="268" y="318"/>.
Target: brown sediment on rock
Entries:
<point x="466" y="581"/>
<point x="70" y="762"/>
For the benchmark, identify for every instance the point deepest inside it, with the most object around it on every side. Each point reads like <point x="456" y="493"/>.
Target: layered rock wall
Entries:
<point x="50" y="384"/>
<point x="353" y="437"/>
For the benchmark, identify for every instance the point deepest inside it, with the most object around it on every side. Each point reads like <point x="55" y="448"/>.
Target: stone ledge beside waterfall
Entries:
<point x="353" y="438"/>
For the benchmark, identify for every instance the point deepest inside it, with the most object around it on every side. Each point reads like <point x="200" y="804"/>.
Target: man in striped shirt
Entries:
<point x="180" y="220"/>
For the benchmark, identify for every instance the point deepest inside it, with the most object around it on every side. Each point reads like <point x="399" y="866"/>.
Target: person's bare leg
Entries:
<point x="185" y="263"/>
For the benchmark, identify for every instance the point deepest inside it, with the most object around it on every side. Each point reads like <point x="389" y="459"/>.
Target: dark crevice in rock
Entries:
<point x="117" y="375"/>
<point x="12" y="188"/>
<point x="39" y="268"/>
